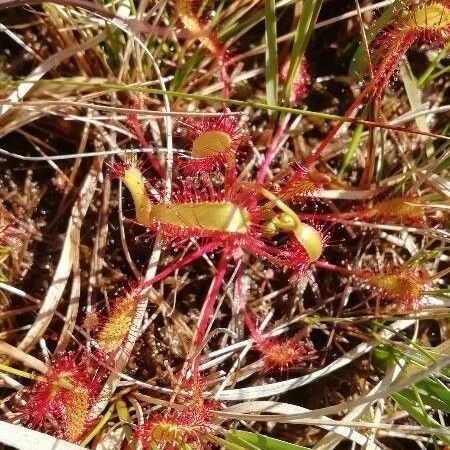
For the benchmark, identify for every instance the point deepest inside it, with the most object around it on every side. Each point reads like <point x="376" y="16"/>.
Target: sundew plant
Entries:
<point x="224" y="225"/>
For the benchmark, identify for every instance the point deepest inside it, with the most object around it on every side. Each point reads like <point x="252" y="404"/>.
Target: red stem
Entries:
<point x="271" y="152"/>
<point x="210" y="302"/>
<point x="255" y="333"/>
<point x="334" y="268"/>
<point x="316" y="153"/>
<point x="208" y="306"/>
<point x="184" y="261"/>
<point x="390" y="60"/>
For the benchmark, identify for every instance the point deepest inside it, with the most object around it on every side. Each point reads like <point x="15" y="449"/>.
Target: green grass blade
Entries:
<point x="415" y="100"/>
<point x="102" y="422"/>
<point x="259" y="441"/>
<point x="234" y="437"/>
<point x="232" y="26"/>
<point x="439" y="73"/>
<point x="229" y="444"/>
<point x="357" y="134"/>
<point x="439" y="292"/>
<point x="305" y="27"/>
<point x="426" y="75"/>
<point x="428" y="392"/>
<point x="436" y="389"/>
<point x="271" y="54"/>
<point x="183" y="72"/>
<point x="421" y="417"/>
<point x="7" y="369"/>
<point x="428" y="400"/>
<point x="125" y="419"/>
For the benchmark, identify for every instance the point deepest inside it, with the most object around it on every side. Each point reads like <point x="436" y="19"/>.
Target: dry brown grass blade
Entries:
<point x="132" y="24"/>
<point x="27" y="360"/>
<point x="64" y="267"/>
<point x="74" y="301"/>
<point x="47" y="65"/>
<point x="266" y="407"/>
<point x="22" y="438"/>
<point x="124" y="354"/>
<point x="37" y="105"/>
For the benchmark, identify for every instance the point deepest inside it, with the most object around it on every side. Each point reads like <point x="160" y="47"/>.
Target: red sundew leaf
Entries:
<point x="280" y="354"/>
<point x="176" y="428"/>
<point x="231" y="217"/>
<point x="171" y="432"/>
<point x="277" y="353"/>
<point x="116" y="325"/>
<point x="205" y="165"/>
<point x="303" y="183"/>
<point x="430" y="20"/>
<point x="213" y="141"/>
<point x="427" y="21"/>
<point x="404" y="285"/>
<point x="301" y="80"/>
<point x="64" y="394"/>
<point x="410" y="211"/>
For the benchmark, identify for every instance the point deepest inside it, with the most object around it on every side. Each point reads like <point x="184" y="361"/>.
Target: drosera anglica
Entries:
<point x="404" y="286"/>
<point x="231" y="217"/>
<point x="185" y="427"/>
<point x="419" y="21"/>
<point x="200" y="31"/>
<point x="301" y="81"/>
<point x="116" y="326"/>
<point x="213" y="141"/>
<point x="64" y="394"/>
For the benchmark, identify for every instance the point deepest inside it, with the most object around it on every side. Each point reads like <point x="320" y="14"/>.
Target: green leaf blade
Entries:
<point x="271" y="54"/>
<point x="259" y="441"/>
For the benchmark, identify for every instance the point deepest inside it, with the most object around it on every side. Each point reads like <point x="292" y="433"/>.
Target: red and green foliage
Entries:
<point x="403" y="287"/>
<point x="184" y="427"/>
<point x="232" y="211"/>
<point x="63" y="396"/>
<point x="116" y="326"/>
